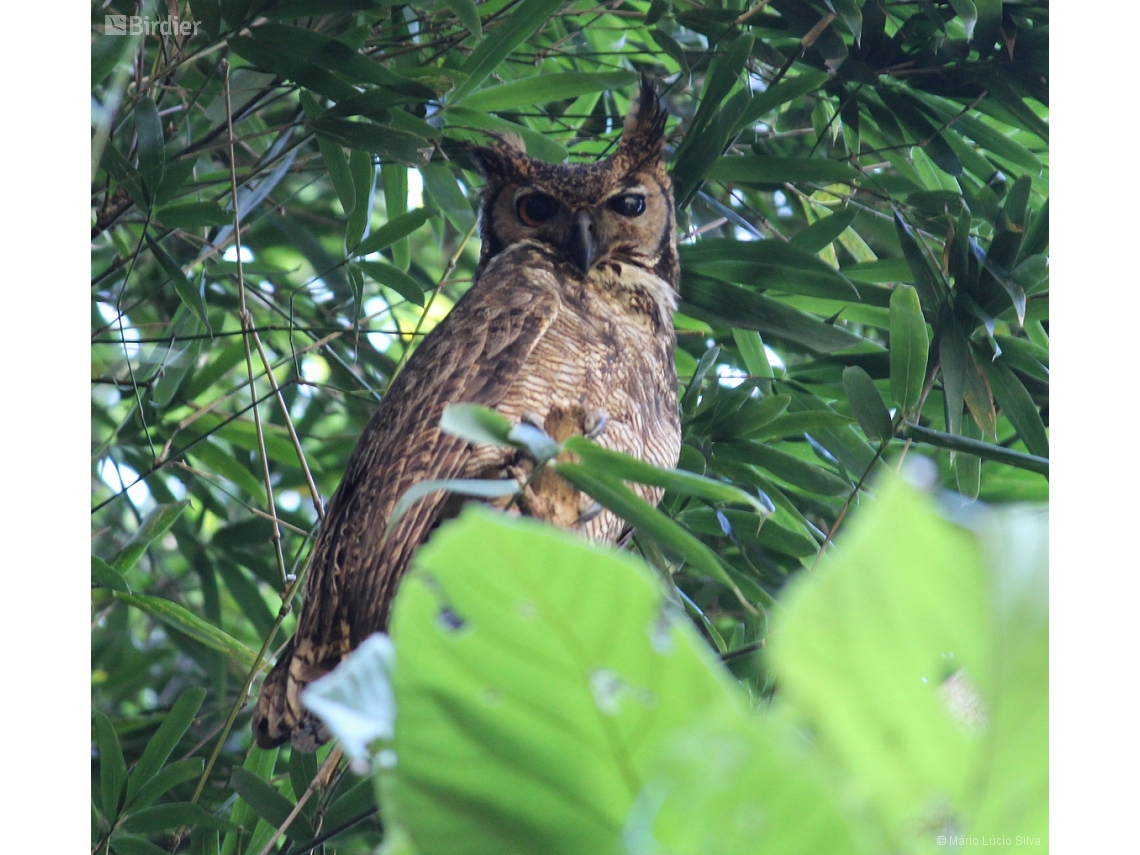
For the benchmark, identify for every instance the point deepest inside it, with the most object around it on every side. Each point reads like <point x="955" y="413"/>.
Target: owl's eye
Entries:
<point x="536" y="208"/>
<point x="629" y="205"/>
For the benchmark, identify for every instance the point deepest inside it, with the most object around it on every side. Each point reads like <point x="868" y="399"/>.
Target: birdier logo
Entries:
<point x="137" y="25"/>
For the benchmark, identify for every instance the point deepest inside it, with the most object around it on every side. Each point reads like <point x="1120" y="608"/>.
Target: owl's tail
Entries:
<point x="279" y="715"/>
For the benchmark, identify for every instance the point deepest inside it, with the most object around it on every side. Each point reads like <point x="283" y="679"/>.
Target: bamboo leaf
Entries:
<point x="636" y="511"/>
<point x="474" y="487"/>
<point x="150" y="529"/>
<point x="605" y="462"/>
<point x="151" y="149"/>
<point x="821" y="233"/>
<point x="1018" y="407"/>
<point x="191" y="295"/>
<point x="928" y="283"/>
<point x="786" y="466"/>
<point x="527" y="17"/>
<point x="270" y="805"/>
<point x="363" y="174"/>
<point x="392" y="231"/>
<point x="755" y="169"/>
<point x="112" y="767"/>
<point x="867" y="404"/>
<point x="468" y="15"/>
<point x="167" y="778"/>
<point x="174" y="724"/>
<point x="909" y="348"/>
<point x="544" y="88"/>
<point x="183" y="620"/>
<point x="103" y="575"/>
<point x="394" y="278"/>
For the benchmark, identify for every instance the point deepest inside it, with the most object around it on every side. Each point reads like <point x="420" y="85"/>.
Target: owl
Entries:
<point x="568" y="325"/>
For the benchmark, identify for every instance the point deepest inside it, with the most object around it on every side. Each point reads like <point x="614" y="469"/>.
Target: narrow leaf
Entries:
<point x="363" y="174"/>
<point x="867" y="404"/>
<point x="270" y="805"/>
<point x="191" y="295"/>
<point x="103" y="575"/>
<point x="394" y="278"/>
<point x="635" y="510"/>
<point x="169" y="777"/>
<point x="926" y="281"/>
<point x="788" y="467"/>
<point x="151" y="149"/>
<point x="161" y="817"/>
<point x="183" y="620"/>
<point x="112" y="767"/>
<point x="755" y="169"/>
<point x="909" y="348"/>
<point x="174" y="724"/>
<point x="476" y="423"/>
<point x="153" y="526"/>
<point x="474" y="487"/>
<point x="1018" y="406"/>
<point x="786" y="90"/>
<point x="822" y="232"/>
<point x="544" y="88"/>
<point x="392" y="231"/>
<point x="468" y="15"/>
<point x="605" y="462"/>
<point x="527" y="17"/>
<point x="443" y="186"/>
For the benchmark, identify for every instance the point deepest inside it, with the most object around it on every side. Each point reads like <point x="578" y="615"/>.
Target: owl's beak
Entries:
<point x="584" y="242"/>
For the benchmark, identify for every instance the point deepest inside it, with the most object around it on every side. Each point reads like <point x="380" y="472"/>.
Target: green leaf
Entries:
<point x="751" y="417"/>
<point x="174" y="724"/>
<point x="151" y="147"/>
<point x="954" y="363"/>
<point x="468" y="15"/>
<point x="527" y="17"/>
<point x="392" y="231"/>
<point x="755" y="169"/>
<point x="368" y="136"/>
<point x="909" y="348"/>
<point x="751" y="348"/>
<point x="1018" y="407"/>
<point x="605" y="462"/>
<point x="784" y="465"/>
<point x="270" y="805"/>
<point x="786" y="90"/>
<point x="128" y="844"/>
<point x="968" y="12"/>
<point x="394" y="278"/>
<point x="544" y="88"/>
<point x="979" y="397"/>
<point x="867" y="404"/>
<point x="768" y="264"/>
<point x="618" y="498"/>
<point x="733" y="306"/>
<point x="740" y="790"/>
<point x="112" y="767"/>
<point x="169" y="777"/>
<point x="537" y="145"/>
<point x="475" y="487"/>
<point x="103" y="575"/>
<point x="927" y="282"/>
<point x="259" y="763"/>
<point x="337" y="165"/>
<point x="823" y="232"/>
<point x="150" y="529"/>
<point x="476" y="423"/>
<point x="518" y="674"/>
<point x="192" y="296"/>
<point x="867" y="641"/>
<point x="185" y="621"/>
<point x="443" y="186"/>
<point x="194" y="215"/>
<point x="363" y="176"/>
<point x="161" y="817"/>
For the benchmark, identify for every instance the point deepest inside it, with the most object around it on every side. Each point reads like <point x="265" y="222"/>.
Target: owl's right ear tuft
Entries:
<point x="643" y="137"/>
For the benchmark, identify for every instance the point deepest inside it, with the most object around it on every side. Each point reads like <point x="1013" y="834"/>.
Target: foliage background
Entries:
<point x="826" y="156"/>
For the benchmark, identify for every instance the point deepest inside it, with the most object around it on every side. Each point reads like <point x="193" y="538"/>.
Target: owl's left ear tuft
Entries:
<point x="643" y="137"/>
<point x="502" y="156"/>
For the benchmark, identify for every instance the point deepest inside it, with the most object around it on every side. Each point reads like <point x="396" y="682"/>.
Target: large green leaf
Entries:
<point x="867" y="643"/>
<point x="533" y="663"/>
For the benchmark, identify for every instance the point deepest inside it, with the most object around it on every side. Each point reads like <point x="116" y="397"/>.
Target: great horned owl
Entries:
<point x="569" y="324"/>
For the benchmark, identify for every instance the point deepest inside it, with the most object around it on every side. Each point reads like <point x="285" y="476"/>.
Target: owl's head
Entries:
<point x="619" y="209"/>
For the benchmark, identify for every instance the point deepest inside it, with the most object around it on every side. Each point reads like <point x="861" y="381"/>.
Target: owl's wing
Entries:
<point x="474" y="355"/>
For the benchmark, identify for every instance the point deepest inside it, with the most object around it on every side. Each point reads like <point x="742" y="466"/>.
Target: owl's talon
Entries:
<point x="595" y="423"/>
<point x="590" y="512"/>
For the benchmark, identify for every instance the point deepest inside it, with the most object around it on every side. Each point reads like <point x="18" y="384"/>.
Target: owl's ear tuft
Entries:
<point x="643" y="137"/>
<point x="502" y="157"/>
